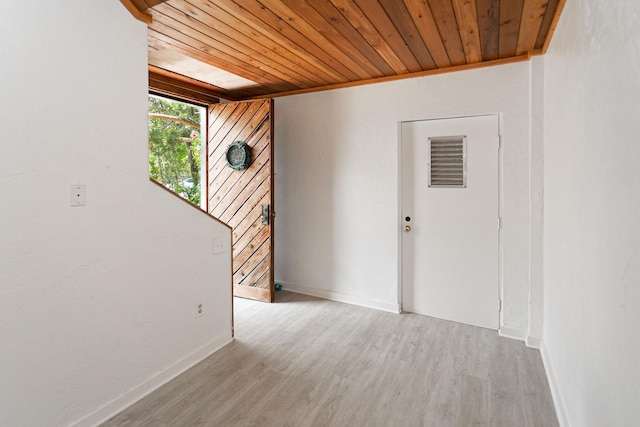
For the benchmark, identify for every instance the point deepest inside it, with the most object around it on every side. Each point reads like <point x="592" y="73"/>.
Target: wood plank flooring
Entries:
<point x="304" y="361"/>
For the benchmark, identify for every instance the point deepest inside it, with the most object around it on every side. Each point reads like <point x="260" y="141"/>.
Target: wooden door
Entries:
<point x="238" y="197"/>
<point x="450" y="219"/>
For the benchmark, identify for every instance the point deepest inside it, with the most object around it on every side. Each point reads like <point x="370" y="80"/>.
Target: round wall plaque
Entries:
<point x="239" y="155"/>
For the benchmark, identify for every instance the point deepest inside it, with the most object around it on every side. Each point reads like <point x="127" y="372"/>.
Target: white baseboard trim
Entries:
<point x="130" y="397"/>
<point x="336" y="296"/>
<point x="533" y="342"/>
<point x="513" y="333"/>
<point x="561" y="411"/>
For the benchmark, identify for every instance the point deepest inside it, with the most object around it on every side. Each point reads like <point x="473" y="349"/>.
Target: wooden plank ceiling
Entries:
<point x="290" y="46"/>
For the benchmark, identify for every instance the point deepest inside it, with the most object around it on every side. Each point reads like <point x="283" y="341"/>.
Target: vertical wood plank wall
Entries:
<point x="236" y="197"/>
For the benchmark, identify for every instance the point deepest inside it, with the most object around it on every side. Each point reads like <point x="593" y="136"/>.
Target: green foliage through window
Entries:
<point x="175" y="146"/>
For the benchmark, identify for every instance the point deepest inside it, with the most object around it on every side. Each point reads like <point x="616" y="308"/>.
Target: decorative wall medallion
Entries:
<point x="239" y="155"/>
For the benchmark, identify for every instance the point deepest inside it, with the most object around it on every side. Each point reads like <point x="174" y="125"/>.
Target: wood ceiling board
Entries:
<point x="146" y="4"/>
<point x="136" y="12"/>
<point x="467" y="17"/>
<point x="402" y="20"/>
<point x="168" y="90"/>
<point x="376" y="14"/>
<point x="297" y="46"/>
<point x="217" y="53"/>
<point x="533" y="12"/>
<point x="264" y="88"/>
<point x="362" y="24"/>
<point x="280" y="38"/>
<point x="222" y="21"/>
<point x="546" y="29"/>
<point x="510" y="15"/>
<point x="272" y="21"/>
<point x="320" y="24"/>
<point x="173" y="39"/>
<point x="312" y="35"/>
<point x="335" y="18"/>
<point x="174" y="61"/>
<point x="445" y="18"/>
<point x="221" y="36"/>
<point x="170" y="82"/>
<point x="434" y="72"/>
<point x="141" y="5"/>
<point x="426" y="24"/>
<point x="489" y="25"/>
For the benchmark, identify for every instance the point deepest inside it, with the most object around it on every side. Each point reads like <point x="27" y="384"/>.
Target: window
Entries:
<point x="176" y="147"/>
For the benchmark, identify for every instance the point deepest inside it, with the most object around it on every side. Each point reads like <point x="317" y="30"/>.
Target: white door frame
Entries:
<point x="400" y="223"/>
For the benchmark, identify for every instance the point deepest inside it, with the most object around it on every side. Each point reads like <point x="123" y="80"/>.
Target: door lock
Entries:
<point x="265" y="214"/>
<point x="407" y="228"/>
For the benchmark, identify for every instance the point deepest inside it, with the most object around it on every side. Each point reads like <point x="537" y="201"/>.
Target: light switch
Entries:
<point x="78" y="195"/>
<point x="218" y="246"/>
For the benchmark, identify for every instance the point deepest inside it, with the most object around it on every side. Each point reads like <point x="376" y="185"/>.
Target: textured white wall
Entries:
<point x="536" y="190"/>
<point x="97" y="303"/>
<point x="337" y="182"/>
<point x="592" y="213"/>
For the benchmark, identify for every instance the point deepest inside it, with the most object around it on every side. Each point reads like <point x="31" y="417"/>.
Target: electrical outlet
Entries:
<point x="218" y="246"/>
<point x="199" y="309"/>
<point x="78" y="195"/>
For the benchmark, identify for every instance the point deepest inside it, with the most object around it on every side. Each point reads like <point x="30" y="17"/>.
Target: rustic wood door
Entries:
<point x="240" y="198"/>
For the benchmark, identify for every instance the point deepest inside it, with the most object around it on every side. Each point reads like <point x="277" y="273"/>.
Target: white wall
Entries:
<point x="337" y="182"/>
<point x="592" y="213"/>
<point x="97" y="303"/>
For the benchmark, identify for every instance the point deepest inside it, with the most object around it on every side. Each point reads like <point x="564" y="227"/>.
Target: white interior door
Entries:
<point x="450" y="219"/>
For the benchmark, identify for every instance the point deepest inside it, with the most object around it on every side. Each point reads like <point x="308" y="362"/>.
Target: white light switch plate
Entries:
<point x="218" y="246"/>
<point x="78" y="195"/>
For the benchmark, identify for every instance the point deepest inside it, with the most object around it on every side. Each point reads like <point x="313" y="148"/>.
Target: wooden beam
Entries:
<point x="167" y="83"/>
<point x="153" y="3"/>
<point x="143" y="5"/>
<point x="140" y="16"/>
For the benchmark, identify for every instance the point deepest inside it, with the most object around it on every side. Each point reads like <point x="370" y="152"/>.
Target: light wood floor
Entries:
<point x="305" y="361"/>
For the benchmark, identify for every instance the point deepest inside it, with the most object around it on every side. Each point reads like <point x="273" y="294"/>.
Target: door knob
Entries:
<point x="407" y="228"/>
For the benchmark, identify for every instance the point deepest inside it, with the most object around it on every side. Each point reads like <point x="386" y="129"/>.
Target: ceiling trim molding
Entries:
<point x="139" y="15"/>
<point x="465" y="67"/>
